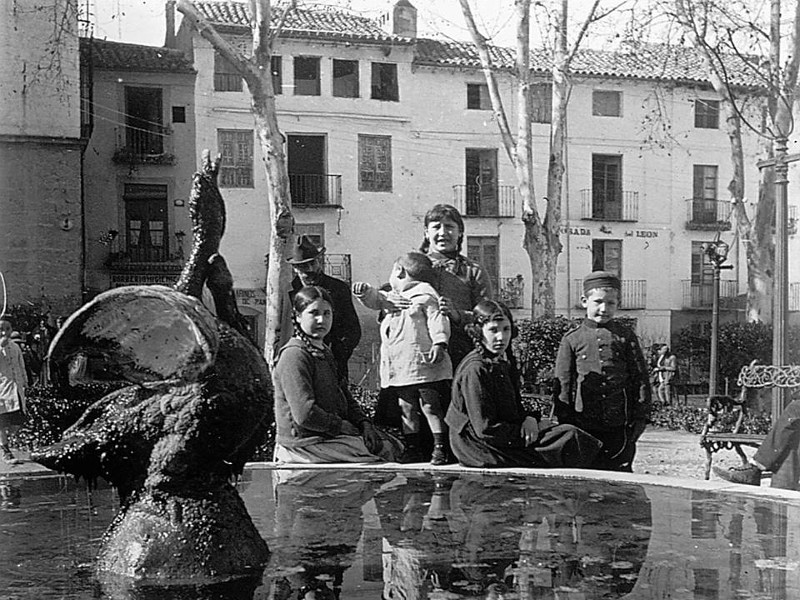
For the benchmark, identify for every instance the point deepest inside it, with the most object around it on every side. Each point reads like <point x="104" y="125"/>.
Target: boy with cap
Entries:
<point x="601" y="380"/>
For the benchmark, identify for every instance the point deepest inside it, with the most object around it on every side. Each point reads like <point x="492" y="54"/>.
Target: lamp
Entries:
<point x="717" y="253"/>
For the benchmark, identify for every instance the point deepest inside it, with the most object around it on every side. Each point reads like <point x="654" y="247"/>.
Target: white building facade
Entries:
<point x="381" y="125"/>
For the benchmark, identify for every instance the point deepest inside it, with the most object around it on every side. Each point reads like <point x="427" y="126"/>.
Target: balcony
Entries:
<point x="485" y="200"/>
<point x="335" y="265"/>
<point x="143" y="147"/>
<point x="511" y="291"/>
<point x="601" y="205"/>
<point x="338" y="266"/>
<point x="313" y="190"/>
<point x="707" y="215"/>
<point x="633" y="294"/>
<point x="701" y="295"/>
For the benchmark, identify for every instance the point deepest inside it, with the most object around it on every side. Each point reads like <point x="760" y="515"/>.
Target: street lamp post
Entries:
<point x="717" y="253"/>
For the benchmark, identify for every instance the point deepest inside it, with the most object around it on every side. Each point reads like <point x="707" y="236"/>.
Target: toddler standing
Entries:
<point x="414" y="358"/>
<point x="601" y="382"/>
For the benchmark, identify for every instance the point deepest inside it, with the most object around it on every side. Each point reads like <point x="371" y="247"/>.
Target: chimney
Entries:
<point x="169" y="13"/>
<point x="401" y="19"/>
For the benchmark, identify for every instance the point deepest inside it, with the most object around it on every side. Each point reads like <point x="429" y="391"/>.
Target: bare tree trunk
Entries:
<point x="760" y="250"/>
<point x="257" y="73"/>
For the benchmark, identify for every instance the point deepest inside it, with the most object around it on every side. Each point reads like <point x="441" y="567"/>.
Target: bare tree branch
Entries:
<point x="228" y="51"/>
<point x="491" y="81"/>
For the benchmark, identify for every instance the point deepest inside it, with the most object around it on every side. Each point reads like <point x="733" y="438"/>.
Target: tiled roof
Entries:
<point x="323" y="22"/>
<point x="648" y="61"/>
<point x="116" y="56"/>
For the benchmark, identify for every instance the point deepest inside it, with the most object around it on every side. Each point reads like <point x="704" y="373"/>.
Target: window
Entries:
<point x="374" y="163"/>
<point x="384" y="82"/>
<point x="704" y="194"/>
<point x="480" y="168"/>
<point x="541" y="102"/>
<point x="345" y="78"/>
<point x="226" y="77"/>
<point x="306" y="76"/>
<point x="306" y="162"/>
<point x="276" y="64"/>
<point x="606" y="103"/>
<point x="607" y="256"/>
<point x="144" y="131"/>
<point x="706" y="114"/>
<point x="313" y="231"/>
<point x="146" y="238"/>
<point x="702" y="269"/>
<point x="478" y="97"/>
<point x="484" y="249"/>
<point x="179" y="114"/>
<point x="607" y="187"/>
<point x="236" y="148"/>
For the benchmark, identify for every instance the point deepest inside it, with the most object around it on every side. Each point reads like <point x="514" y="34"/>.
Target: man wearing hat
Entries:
<point x="306" y="261"/>
<point x="601" y="379"/>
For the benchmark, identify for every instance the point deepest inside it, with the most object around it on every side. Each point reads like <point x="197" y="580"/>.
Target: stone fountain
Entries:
<point x="191" y="404"/>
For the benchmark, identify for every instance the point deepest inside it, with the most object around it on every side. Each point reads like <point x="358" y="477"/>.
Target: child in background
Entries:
<point x="602" y="383"/>
<point x="414" y="359"/>
<point x="462" y="283"/>
<point x="488" y="424"/>
<point x="13" y="382"/>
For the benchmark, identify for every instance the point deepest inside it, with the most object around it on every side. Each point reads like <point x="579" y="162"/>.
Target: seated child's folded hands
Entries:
<point x="529" y="431"/>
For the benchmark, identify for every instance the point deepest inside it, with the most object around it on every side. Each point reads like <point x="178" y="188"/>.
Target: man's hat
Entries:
<point x="600" y="279"/>
<point x="304" y="251"/>
<point x="16" y="336"/>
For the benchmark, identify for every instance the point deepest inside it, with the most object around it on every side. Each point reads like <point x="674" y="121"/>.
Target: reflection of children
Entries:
<point x="13" y="382"/>
<point x="414" y="359"/>
<point x="601" y="382"/>
<point x="488" y="425"/>
<point x="317" y="420"/>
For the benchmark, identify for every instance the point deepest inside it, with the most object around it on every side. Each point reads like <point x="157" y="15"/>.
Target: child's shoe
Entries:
<point x="745" y="474"/>
<point x="439" y="456"/>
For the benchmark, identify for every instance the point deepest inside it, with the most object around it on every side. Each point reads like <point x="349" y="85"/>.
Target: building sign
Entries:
<point x="641" y="233"/>
<point x="576" y="230"/>
<point x="251" y="297"/>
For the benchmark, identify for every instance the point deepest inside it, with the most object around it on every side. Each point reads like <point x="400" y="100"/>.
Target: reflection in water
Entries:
<point x="444" y="536"/>
<point x="465" y="535"/>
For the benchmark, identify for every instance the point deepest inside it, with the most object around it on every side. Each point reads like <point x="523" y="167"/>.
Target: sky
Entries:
<point x="142" y="21"/>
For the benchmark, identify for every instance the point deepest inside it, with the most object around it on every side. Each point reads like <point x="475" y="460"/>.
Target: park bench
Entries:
<point x="726" y="420"/>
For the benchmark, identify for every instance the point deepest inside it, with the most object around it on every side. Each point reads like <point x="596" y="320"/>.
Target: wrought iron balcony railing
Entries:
<point x="604" y="205"/>
<point x="633" y="294"/>
<point x="707" y="215"/>
<point x="315" y="189"/>
<point x="701" y="295"/>
<point x="485" y="200"/>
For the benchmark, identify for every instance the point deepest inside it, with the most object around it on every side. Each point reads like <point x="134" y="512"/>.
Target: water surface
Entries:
<point x="414" y="535"/>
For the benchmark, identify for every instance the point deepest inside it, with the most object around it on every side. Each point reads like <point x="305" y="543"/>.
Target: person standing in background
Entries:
<point x="307" y="262"/>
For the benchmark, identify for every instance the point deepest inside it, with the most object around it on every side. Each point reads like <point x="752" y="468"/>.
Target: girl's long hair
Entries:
<point x="440" y="212"/>
<point x="493" y="310"/>
<point x="303" y="298"/>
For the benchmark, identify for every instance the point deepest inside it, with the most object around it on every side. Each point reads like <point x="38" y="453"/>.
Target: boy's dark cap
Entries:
<point x="600" y="279"/>
<point x="304" y="251"/>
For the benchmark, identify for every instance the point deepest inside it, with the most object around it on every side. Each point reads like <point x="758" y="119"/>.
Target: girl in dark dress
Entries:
<point x="488" y="424"/>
